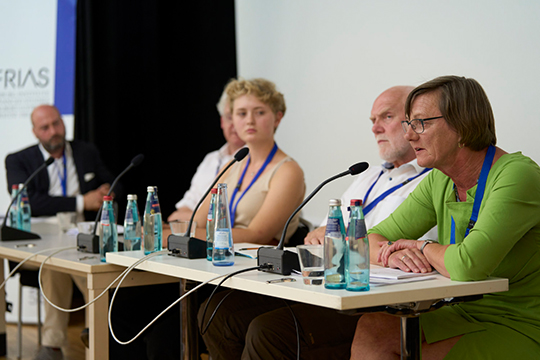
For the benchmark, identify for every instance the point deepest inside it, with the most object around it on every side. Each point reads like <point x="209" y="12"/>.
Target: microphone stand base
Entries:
<point x="88" y="243"/>
<point x="282" y="262"/>
<point x="11" y="234"/>
<point x="186" y="247"/>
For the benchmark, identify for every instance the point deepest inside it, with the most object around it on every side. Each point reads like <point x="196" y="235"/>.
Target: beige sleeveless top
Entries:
<point x="252" y="201"/>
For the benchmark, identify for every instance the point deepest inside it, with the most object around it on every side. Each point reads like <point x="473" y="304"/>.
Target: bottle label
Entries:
<point x="105" y="216"/>
<point x="155" y="204"/>
<point x="210" y="215"/>
<point x="360" y="228"/>
<point x="333" y="228"/>
<point x="129" y="216"/>
<point x="221" y="239"/>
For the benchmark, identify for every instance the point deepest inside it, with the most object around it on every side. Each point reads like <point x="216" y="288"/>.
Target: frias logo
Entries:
<point x="24" y="78"/>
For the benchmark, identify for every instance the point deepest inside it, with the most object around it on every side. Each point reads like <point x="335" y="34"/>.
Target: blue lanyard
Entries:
<point x="232" y="205"/>
<point x="63" y="179"/>
<point x="381" y="197"/>
<point x="480" y="189"/>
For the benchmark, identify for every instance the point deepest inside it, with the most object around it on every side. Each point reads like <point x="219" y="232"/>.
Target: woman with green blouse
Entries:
<point x="486" y="204"/>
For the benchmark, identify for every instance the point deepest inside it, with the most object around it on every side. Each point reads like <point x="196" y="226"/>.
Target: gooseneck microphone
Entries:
<point x="283" y="261"/>
<point x="90" y="242"/>
<point x="136" y="161"/>
<point x="10" y="233"/>
<point x="193" y="248"/>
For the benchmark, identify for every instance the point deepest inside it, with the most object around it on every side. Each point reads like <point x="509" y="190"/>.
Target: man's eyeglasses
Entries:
<point x="417" y="124"/>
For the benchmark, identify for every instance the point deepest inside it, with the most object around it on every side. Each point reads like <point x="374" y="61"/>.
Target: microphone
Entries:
<point x="193" y="248"/>
<point x="9" y="233"/>
<point x="283" y="261"/>
<point x="90" y="242"/>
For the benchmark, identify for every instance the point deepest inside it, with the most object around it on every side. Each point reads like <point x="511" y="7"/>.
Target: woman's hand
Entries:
<point x="405" y="255"/>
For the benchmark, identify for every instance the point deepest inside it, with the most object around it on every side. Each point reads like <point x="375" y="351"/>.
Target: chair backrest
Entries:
<point x="29" y="277"/>
<point x="298" y="237"/>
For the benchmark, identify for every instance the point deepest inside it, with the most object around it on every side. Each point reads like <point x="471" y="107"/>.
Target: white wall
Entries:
<point x="332" y="58"/>
<point x="27" y="45"/>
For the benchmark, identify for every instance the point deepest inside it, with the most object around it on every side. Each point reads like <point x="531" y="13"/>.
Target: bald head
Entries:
<point x="49" y="129"/>
<point x="386" y="115"/>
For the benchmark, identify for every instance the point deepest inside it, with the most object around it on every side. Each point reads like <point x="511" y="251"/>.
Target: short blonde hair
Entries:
<point x="262" y="89"/>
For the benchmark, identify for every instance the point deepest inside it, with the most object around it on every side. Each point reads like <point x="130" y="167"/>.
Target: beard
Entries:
<point x="55" y="143"/>
<point x="392" y="152"/>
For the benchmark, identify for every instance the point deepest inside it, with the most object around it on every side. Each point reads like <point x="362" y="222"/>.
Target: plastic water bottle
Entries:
<point x="132" y="225"/>
<point x="24" y="209"/>
<point x="153" y="227"/>
<point x="108" y="237"/>
<point x="357" y="254"/>
<point x="223" y="252"/>
<point x="334" y="248"/>
<point x="14" y="216"/>
<point x="210" y="225"/>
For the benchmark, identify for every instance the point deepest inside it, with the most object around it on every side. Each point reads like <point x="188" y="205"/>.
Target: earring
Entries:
<point x="460" y="145"/>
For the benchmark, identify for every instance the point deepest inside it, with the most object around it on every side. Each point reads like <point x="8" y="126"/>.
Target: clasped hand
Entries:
<point x="405" y="255"/>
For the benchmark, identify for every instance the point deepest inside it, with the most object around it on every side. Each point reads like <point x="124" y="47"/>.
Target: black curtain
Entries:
<point x="148" y="76"/>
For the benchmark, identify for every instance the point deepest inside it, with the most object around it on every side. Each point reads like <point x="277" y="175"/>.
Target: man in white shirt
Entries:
<point x="262" y="327"/>
<point x="211" y="164"/>
<point x="380" y="187"/>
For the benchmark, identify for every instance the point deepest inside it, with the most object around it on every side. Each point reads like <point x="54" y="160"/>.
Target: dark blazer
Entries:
<point x="90" y="169"/>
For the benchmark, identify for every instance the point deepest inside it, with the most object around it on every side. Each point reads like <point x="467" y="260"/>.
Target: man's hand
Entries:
<point x="316" y="236"/>
<point x="183" y="213"/>
<point x="94" y="199"/>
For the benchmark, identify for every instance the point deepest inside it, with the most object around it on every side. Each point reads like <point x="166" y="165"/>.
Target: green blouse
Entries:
<point x="504" y="242"/>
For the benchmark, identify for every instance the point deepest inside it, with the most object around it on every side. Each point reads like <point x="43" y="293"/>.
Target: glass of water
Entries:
<point x="311" y="263"/>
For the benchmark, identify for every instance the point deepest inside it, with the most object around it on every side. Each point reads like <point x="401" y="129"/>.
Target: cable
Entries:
<point x="157" y="317"/>
<point x="297" y="330"/>
<point x="28" y="258"/>
<point x="227" y="276"/>
<point x="203" y="331"/>
<point x="104" y="291"/>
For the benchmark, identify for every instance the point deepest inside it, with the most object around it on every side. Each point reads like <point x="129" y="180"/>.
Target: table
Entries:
<point x="414" y="296"/>
<point x="99" y="275"/>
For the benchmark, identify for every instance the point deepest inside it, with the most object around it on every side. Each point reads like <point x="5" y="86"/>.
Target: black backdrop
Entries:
<point x="148" y="76"/>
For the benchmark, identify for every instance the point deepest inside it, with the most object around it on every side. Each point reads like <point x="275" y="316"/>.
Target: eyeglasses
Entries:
<point x="417" y="124"/>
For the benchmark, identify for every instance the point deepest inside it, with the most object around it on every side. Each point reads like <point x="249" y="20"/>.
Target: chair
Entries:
<point x="297" y="238"/>
<point x="27" y="278"/>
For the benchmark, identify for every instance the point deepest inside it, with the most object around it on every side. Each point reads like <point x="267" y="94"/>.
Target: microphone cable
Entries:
<point x="227" y="276"/>
<point x="28" y="258"/>
<point x="162" y="252"/>
<point x="203" y="331"/>
<point x="297" y="329"/>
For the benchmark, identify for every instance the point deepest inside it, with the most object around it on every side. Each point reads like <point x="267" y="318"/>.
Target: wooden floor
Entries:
<point x="75" y="349"/>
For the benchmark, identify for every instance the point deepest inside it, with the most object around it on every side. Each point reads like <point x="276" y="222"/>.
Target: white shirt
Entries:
<point x="205" y="174"/>
<point x="389" y="179"/>
<point x="56" y="171"/>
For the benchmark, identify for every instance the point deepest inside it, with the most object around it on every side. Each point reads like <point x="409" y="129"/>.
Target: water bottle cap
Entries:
<point x="335" y="202"/>
<point x="14" y="187"/>
<point x="21" y="186"/>
<point x="132" y="197"/>
<point x="356" y="202"/>
<point x="107" y="198"/>
<point x="150" y="189"/>
<point x="214" y="191"/>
